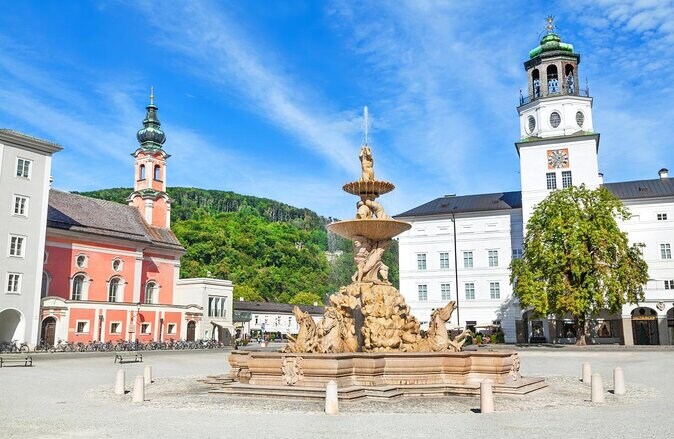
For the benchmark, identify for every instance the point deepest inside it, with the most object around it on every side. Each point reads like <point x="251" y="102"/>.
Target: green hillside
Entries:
<point x="270" y="250"/>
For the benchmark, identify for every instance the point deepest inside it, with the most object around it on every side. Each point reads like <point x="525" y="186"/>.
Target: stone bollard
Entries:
<point x="119" y="383"/>
<point x="597" y="388"/>
<point x="618" y="381"/>
<point x="148" y="375"/>
<point x="486" y="397"/>
<point x="331" y="399"/>
<point x="587" y="373"/>
<point x="139" y="389"/>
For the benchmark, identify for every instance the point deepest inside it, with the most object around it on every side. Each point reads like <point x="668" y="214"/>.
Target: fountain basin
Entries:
<point x="374" y="375"/>
<point x="374" y="229"/>
<point x="373" y="187"/>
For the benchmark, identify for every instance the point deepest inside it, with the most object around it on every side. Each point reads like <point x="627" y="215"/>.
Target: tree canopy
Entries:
<point x="576" y="259"/>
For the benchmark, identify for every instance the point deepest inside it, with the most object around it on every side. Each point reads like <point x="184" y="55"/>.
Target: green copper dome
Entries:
<point x="550" y="43"/>
<point x="151" y="136"/>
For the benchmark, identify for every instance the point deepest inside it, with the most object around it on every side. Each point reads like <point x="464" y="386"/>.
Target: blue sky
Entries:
<point x="265" y="98"/>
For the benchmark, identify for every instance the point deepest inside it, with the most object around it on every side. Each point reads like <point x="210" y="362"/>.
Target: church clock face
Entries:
<point x="558" y="158"/>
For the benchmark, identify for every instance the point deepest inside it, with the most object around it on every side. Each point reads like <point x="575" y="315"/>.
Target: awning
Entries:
<point x="222" y="325"/>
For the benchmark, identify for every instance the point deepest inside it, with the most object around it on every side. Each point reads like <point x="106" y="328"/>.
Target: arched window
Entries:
<point x="44" y="292"/>
<point x="78" y="287"/>
<point x="569" y="79"/>
<point x="113" y="290"/>
<point x="150" y="292"/>
<point x="553" y="79"/>
<point x="141" y="172"/>
<point x="536" y="83"/>
<point x="157" y="172"/>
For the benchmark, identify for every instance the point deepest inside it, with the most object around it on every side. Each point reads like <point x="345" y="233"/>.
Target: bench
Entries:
<point x="128" y="358"/>
<point x="26" y="361"/>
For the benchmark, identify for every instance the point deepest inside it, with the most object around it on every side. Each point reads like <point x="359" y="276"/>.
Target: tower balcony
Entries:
<point x="553" y="91"/>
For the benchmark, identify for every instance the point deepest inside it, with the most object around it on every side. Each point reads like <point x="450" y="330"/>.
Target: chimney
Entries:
<point x="601" y="178"/>
<point x="663" y="173"/>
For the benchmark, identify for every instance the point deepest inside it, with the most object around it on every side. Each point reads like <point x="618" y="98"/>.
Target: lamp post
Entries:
<point x="137" y="323"/>
<point x="456" y="270"/>
<point x="161" y="329"/>
<point x="100" y="328"/>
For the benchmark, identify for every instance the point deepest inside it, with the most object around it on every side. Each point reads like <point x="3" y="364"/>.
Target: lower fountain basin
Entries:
<point x="374" y="229"/>
<point x="373" y="375"/>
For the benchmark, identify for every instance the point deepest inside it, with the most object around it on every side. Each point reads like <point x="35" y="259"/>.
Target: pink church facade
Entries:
<point x="110" y="270"/>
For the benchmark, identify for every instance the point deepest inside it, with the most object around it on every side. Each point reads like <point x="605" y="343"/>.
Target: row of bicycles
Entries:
<point x="109" y="346"/>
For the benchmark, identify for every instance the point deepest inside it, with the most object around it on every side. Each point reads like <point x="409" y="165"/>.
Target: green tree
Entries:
<point x="306" y="298"/>
<point x="575" y="258"/>
<point x="248" y="293"/>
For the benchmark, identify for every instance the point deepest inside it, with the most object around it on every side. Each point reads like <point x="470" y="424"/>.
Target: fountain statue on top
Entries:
<point x="370" y="314"/>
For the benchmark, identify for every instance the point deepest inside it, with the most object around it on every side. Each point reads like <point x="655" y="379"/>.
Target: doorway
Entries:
<point x="191" y="330"/>
<point x="645" y="326"/>
<point x="48" y="331"/>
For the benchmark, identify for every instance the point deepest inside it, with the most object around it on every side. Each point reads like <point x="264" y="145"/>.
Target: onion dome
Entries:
<point x="550" y="42"/>
<point x="151" y="136"/>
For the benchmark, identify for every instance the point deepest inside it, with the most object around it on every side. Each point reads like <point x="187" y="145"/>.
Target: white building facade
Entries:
<point x="25" y="169"/>
<point x="214" y="298"/>
<point x="460" y="247"/>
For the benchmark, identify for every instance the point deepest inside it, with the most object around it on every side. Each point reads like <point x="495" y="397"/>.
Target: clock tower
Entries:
<point x="558" y="146"/>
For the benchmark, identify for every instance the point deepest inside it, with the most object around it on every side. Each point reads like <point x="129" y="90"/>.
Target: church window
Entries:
<point x="553" y="80"/>
<point x="469" y="289"/>
<point x="150" y="292"/>
<point x="141" y="172"/>
<point x="113" y="290"/>
<point x="555" y="119"/>
<point x="157" y="172"/>
<point x="44" y="291"/>
<point x="423" y="292"/>
<point x="81" y="261"/>
<point x="117" y="265"/>
<point x="531" y="121"/>
<point x="580" y="118"/>
<point x="566" y="179"/>
<point x="421" y="261"/>
<point x="551" y="180"/>
<point x="78" y="287"/>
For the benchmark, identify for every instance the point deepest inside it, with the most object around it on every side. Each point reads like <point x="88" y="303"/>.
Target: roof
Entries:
<point x="30" y="142"/>
<point x="271" y="307"/>
<point x="468" y="203"/>
<point x="625" y="190"/>
<point x="78" y="213"/>
<point x="629" y="190"/>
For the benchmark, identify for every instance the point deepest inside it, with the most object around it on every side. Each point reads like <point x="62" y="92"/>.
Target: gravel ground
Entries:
<point x="70" y="395"/>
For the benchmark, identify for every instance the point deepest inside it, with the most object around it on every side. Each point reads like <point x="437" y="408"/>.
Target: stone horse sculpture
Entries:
<point x="305" y="340"/>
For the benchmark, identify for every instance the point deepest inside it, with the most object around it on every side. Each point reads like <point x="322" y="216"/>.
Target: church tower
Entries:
<point x="558" y="146"/>
<point x="149" y="189"/>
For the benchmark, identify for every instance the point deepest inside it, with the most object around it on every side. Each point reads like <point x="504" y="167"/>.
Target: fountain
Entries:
<point x="368" y="342"/>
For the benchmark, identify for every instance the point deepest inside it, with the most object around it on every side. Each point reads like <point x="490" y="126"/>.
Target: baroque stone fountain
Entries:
<point x="368" y="342"/>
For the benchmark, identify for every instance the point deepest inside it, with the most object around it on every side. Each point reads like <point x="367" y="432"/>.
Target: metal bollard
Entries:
<point x="139" y="389"/>
<point x="119" y="383"/>
<point x="618" y="381"/>
<point x="331" y="399"/>
<point x="597" y="388"/>
<point x="486" y="397"/>
<point x="587" y="373"/>
<point x="148" y="375"/>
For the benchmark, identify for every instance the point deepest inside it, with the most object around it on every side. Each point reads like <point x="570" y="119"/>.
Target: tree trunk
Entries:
<point x="581" y="330"/>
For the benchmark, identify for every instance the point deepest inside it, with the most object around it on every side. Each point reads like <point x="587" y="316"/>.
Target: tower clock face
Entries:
<point x="558" y="158"/>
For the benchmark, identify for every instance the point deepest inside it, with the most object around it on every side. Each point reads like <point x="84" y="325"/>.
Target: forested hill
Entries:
<point x="187" y="200"/>
<point x="270" y="250"/>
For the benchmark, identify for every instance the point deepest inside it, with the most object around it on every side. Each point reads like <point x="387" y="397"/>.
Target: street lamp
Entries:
<point x="137" y="323"/>
<point x="456" y="270"/>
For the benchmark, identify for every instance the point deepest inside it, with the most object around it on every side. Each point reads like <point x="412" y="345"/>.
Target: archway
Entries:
<point x="645" y="326"/>
<point x="553" y="79"/>
<point x="191" y="330"/>
<point x="48" y="332"/>
<point x="11" y="325"/>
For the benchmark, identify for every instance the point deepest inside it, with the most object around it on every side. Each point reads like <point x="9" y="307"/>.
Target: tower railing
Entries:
<point x="561" y="91"/>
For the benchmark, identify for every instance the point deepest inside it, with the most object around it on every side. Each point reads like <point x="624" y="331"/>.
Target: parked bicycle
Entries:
<point x="13" y="347"/>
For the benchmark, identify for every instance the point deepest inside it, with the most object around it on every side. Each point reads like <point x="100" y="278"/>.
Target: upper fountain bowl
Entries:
<point x="373" y="187"/>
<point x="374" y="229"/>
